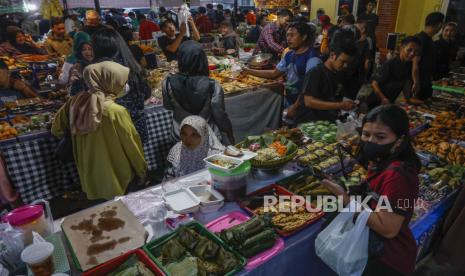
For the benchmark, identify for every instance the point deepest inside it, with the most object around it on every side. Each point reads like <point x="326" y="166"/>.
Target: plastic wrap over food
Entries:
<point x="142" y="203"/>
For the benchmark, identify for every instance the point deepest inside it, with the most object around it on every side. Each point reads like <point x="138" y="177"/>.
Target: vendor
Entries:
<point x="323" y="92"/>
<point x="106" y="146"/>
<point x="170" y="42"/>
<point x="446" y="50"/>
<point x="395" y="75"/>
<point x="296" y="63"/>
<point x="17" y="43"/>
<point x="58" y="42"/>
<point x="12" y="89"/>
<point x="192" y="92"/>
<point x="197" y="143"/>
<point x="273" y="37"/>
<point x="82" y="56"/>
<point x="393" y="168"/>
<point x="230" y="41"/>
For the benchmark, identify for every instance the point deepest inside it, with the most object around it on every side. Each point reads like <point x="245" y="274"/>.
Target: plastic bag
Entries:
<point x="347" y="129"/>
<point x="11" y="246"/>
<point x="183" y="16"/>
<point x="343" y="245"/>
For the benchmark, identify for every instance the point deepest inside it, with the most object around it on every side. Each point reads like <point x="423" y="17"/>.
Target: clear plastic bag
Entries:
<point x="343" y="244"/>
<point x="11" y="246"/>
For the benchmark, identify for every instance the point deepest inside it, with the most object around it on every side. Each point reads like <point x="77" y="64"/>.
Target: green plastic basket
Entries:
<point x="199" y="228"/>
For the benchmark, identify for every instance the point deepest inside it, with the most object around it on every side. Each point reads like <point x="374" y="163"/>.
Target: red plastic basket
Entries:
<point x="111" y="265"/>
<point x="281" y="191"/>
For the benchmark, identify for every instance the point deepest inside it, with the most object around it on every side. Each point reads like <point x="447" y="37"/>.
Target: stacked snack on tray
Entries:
<point x="232" y="82"/>
<point x="320" y="130"/>
<point x="193" y="249"/>
<point x="251" y="237"/>
<point x="7" y="131"/>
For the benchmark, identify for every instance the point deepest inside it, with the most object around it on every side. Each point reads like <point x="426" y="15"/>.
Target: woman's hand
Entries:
<point x="336" y="189"/>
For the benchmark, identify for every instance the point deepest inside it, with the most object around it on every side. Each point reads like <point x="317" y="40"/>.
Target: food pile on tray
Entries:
<point x="232" y="82"/>
<point x="324" y="131"/>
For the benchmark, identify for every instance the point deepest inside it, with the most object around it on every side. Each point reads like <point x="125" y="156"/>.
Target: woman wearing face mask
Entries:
<point x="393" y="168"/>
<point x="197" y="142"/>
<point x="75" y="63"/>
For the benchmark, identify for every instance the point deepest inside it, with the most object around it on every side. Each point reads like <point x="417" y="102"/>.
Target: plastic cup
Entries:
<point x="39" y="258"/>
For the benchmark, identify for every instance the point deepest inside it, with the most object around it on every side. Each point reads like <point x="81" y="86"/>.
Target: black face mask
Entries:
<point x="369" y="151"/>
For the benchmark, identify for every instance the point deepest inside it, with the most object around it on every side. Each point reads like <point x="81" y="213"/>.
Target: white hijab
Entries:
<point x="186" y="161"/>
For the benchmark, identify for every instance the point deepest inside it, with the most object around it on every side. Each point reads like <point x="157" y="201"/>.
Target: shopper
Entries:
<point x="344" y="11"/>
<point x="393" y="168"/>
<point x="170" y="42"/>
<point x="230" y="41"/>
<point x="203" y="23"/>
<point x="319" y="13"/>
<point x="109" y="45"/>
<point x="72" y="23"/>
<point x="255" y="32"/>
<point x="299" y="60"/>
<point x="446" y="50"/>
<point x="134" y="21"/>
<point x="82" y="56"/>
<point x="12" y="88"/>
<point x="106" y="147"/>
<point x="273" y="37"/>
<point x="395" y="76"/>
<point x="93" y="22"/>
<point x="58" y="42"/>
<point x="323" y="91"/>
<point x="146" y="27"/>
<point x="17" y="43"/>
<point x="370" y="17"/>
<point x="198" y="141"/>
<point x="191" y="92"/>
<point x="424" y="63"/>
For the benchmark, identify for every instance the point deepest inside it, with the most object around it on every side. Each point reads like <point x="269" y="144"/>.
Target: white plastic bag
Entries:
<point x="343" y="245"/>
<point x="346" y="129"/>
<point x="183" y="17"/>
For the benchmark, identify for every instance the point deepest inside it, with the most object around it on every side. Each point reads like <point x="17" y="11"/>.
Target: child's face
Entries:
<point x="190" y="137"/>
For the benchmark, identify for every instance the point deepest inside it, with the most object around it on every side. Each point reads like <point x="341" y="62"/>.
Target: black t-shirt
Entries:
<point x="446" y="52"/>
<point x="136" y="52"/>
<point x="427" y="54"/>
<point x="392" y="77"/>
<point x="372" y="22"/>
<point x="324" y="85"/>
<point x="164" y="42"/>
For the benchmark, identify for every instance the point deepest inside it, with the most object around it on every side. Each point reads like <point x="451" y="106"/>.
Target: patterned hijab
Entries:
<point x="106" y="80"/>
<point x="186" y="161"/>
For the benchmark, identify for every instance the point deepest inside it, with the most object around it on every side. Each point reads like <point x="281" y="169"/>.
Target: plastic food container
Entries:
<point x="232" y="186"/>
<point x="210" y="200"/>
<point x="112" y="265"/>
<point x="182" y="201"/>
<point x="29" y="218"/>
<point x="235" y="161"/>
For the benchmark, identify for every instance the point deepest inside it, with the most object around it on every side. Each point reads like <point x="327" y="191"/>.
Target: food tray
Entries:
<point x="110" y="266"/>
<point x="182" y="201"/>
<point x="234" y="218"/>
<point x="199" y="228"/>
<point x="275" y="164"/>
<point x="236" y="161"/>
<point x="279" y="191"/>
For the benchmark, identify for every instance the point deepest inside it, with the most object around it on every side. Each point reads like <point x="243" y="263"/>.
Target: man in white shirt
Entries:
<point x="72" y="23"/>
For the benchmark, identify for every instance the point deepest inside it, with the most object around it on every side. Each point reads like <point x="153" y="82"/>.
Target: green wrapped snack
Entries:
<point x="252" y="251"/>
<point x="188" y="237"/>
<point x="132" y="267"/>
<point x="187" y="267"/>
<point x="172" y="251"/>
<point x="209" y="268"/>
<point x="206" y="249"/>
<point x="226" y="260"/>
<point x="260" y="238"/>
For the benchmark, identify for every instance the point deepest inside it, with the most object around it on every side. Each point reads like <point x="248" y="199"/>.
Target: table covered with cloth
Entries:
<point x="36" y="174"/>
<point x="298" y="256"/>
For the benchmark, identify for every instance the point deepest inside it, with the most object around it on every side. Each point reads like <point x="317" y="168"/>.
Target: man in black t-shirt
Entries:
<point x="395" y="75"/>
<point x="424" y="63"/>
<point x="323" y="92"/>
<point x="170" y="42"/>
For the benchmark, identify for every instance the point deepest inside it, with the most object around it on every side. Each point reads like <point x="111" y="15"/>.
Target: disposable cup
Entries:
<point x="39" y="258"/>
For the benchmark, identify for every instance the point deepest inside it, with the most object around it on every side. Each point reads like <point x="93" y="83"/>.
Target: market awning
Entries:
<point x="127" y="4"/>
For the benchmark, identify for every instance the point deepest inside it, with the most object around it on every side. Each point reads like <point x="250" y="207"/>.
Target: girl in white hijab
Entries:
<point x="198" y="141"/>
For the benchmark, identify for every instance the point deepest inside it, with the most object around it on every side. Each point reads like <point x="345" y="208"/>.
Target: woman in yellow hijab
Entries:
<point x="106" y="146"/>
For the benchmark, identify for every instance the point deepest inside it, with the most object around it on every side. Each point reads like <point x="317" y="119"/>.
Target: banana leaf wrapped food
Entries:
<point x="188" y="237"/>
<point x="172" y="251"/>
<point x="132" y="267"/>
<point x="206" y="249"/>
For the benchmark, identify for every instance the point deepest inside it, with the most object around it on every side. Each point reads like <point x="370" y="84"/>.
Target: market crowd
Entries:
<point x="328" y="70"/>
